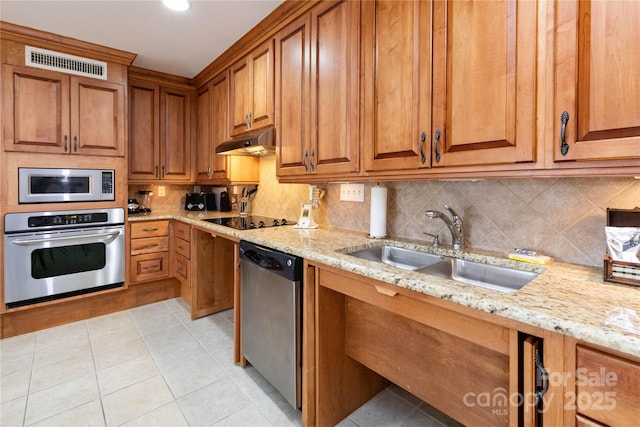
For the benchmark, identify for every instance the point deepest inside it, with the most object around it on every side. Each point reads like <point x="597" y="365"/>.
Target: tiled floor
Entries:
<point x="154" y="366"/>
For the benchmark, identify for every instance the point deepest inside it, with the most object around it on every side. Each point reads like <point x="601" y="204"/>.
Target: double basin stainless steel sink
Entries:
<point x="504" y="279"/>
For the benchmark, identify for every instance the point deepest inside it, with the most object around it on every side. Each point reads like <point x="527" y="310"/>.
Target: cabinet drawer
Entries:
<point x="149" y="245"/>
<point x="149" y="266"/>
<point x="182" y="230"/>
<point x="607" y="387"/>
<point x="182" y="247"/>
<point x="181" y="271"/>
<point x="149" y="229"/>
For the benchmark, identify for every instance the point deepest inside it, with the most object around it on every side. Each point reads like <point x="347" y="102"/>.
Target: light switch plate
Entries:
<point x="352" y="192"/>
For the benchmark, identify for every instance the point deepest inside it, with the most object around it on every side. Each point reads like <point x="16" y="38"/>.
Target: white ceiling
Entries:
<point x="180" y="43"/>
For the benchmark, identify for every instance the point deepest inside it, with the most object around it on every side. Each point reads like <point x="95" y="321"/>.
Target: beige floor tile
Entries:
<point x="12" y="412"/>
<point x="14" y="385"/>
<point x="16" y="363"/>
<point x="168" y="415"/>
<point x="420" y="419"/>
<point x="213" y="403"/>
<point x="119" y="352"/>
<point x="252" y="383"/>
<point x="19" y="345"/>
<point x="228" y="315"/>
<point x="46" y="355"/>
<point x="277" y="409"/>
<point x="89" y="414"/>
<point x="118" y="333"/>
<point x="60" y="398"/>
<point x="384" y="409"/>
<point x="64" y="333"/>
<point x="122" y="375"/>
<point x="177" y="304"/>
<point x="193" y="374"/>
<point x="216" y="338"/>
<point x="247" y="416"/>
<point x="224" y="357"/>
<point x="136" y="400"/>
<point x="206" y="325"/>
<point x="60" y="372"/>
<point x="109" y="322"/>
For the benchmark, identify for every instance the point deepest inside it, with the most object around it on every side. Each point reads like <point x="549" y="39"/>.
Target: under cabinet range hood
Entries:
<point x="260" y="143"/>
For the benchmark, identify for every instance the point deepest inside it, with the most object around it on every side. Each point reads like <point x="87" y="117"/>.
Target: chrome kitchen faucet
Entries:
<point x="454" y="224"/>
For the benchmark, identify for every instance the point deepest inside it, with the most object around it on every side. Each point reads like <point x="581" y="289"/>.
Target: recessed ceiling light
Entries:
<point x="179" y="5"/>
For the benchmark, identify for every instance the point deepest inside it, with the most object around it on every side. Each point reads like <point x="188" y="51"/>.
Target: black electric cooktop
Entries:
<point x="249" y="222"/>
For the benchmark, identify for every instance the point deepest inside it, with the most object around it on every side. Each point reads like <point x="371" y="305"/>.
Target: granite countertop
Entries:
<point x="569" y="299"/>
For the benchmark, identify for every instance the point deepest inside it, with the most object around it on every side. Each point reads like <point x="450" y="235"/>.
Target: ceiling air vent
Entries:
<point x="56" y="61"/>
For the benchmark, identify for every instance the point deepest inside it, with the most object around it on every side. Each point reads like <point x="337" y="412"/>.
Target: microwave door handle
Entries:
<point x="108" y="237"/>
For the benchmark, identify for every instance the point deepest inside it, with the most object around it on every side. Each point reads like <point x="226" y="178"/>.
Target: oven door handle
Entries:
<point x="108" y="237"/>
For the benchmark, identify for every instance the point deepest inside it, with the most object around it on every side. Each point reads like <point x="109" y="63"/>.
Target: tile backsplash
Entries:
<point x="560" y="217"/>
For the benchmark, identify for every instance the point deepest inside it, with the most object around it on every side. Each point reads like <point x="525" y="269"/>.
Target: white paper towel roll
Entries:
<point x="378" y="220"/>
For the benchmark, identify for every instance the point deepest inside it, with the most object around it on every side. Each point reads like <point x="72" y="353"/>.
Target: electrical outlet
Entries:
<point x="161" y="192"/>
<point x="352" y="192"/>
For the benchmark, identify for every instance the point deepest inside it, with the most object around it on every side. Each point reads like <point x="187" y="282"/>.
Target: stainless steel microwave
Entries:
<point x="40" y="185"/>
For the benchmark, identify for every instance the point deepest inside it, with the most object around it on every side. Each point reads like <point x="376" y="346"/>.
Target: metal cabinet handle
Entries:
<point x="304" y="160"/>
<point x="75" y="143"/>
<point x="423" y="138"/>
<point x="313" y="166"/>
<point x="152" y="267"/>
<point x="153" y="245"/>
<point x="435" y="145"/>
<point x="564" y="147"/>
<point x="209" y="172"/>
<point x="149" y="230"/>
<point x="542" y="374"/>
<point x="180" y="270"/>
<point x="65" y="143"/>
<point x="157" y="171"/>
<point x="250" y="119"/>
<point x="162" y="176"/>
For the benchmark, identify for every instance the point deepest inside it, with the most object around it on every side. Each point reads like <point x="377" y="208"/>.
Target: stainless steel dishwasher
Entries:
<point x="271" y="316"/>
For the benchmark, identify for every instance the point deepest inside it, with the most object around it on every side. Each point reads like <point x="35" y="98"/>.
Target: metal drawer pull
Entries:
<point x="65" y="143"/>
<point x="109" y="236"/>
<point x="385" y="291"/>
<point x="153" y="245"/>
<point x="542" y="374"/>
<point x="151" y="267"/>
<point x="423" y="138"/>
<point x="149" y="229"/>
<point x="75" y="144"/>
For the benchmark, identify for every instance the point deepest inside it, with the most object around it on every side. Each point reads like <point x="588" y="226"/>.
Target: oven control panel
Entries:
<point x="69" y="219"/>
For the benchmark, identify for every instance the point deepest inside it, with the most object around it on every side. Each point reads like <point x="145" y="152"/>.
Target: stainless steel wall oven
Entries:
<point x="51" y="255"/>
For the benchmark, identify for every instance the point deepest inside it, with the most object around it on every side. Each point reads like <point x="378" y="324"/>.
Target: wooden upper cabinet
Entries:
<point x="396" y="62"/>
<point x="293" y="44"/>
<point x="251" y="90"/>
<point x="212" y="130"/>
<point x="484" y="74"/>
<point x="159" y="132"/>
<point x="51" y="112"/>
<point x="144" y="130"/>
<point x="335" y="79"/>
<point x="597" y="75"/>
<point x="175" y="134"/>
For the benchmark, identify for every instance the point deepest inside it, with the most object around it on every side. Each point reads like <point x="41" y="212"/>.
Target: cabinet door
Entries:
<point x="240" y="87"/>
<point x="144" y="145"/>
<point x="292" y="97"/>
<point x="204" y="152"/>
<point x="396" y="61"/>
<point x="335" y="38"/>
<point x="483" y="92"/>
<point x="219" y="121"/>
<point x="597" y="70"/>
<point x="175" y="134"/>
<point x="97" y="117"/>
<point x="261" y="93"/>
<point x="36" y="110"/>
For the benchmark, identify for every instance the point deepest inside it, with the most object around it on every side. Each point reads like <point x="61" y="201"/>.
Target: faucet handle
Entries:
<point x="453" y="213"/>
<point x="436" y="239"/>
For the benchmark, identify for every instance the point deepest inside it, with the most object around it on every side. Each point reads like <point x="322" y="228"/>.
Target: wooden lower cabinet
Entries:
<point x="149" y="251"/>
<point x="213" y="273"/>
<point x="606" y="388"/>
<point x="181" y="256"/>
